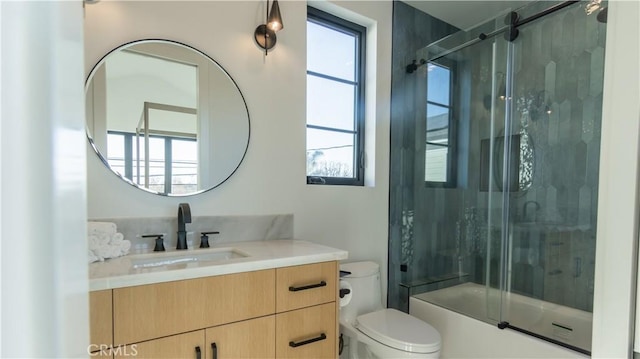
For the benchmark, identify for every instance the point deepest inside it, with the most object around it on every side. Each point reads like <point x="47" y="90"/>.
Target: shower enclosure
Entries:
<point x="493" y="213"/>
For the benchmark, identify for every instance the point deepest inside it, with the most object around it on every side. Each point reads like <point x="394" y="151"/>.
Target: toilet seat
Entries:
<point x="399" y="330"/>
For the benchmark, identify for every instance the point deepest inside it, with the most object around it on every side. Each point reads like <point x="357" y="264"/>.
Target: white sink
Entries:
<point x="192" y="256"/>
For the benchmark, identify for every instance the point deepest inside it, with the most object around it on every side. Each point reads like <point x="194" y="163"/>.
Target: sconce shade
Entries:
<point x="274" y="22"/>
<point x="265" y="34"/>
<point x="265" y="37"/>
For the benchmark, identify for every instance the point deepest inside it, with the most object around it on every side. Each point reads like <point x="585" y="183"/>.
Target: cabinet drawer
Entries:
<point x="307" y="333"/>
<point x="101" y="319"/>
<point x="305" y="285"/>
<point x="157" y="310"/>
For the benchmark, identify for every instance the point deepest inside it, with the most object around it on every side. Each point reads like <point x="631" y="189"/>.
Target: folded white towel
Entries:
<point x="108" y="228"/>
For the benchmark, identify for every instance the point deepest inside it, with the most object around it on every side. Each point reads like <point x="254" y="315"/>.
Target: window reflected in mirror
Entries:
<point x="174" y="103"/>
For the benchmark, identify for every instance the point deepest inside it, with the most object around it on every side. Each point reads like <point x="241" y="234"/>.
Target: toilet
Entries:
<point x="375" y="331"/>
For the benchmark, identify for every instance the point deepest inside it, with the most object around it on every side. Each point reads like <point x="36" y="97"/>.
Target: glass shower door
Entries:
<point x="558" y="66"/>
<point x="455" y="229"/>
<point x="499" y="217"/>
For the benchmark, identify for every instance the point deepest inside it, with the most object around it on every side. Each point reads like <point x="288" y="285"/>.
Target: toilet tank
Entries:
<point x="366" y="295"/>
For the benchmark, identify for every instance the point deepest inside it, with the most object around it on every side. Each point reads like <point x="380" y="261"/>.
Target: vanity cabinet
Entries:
<point x="184" y="345"/>
<point x="307" y="333"/>
<point x="288" y="312"/>
<point x="306" y="305"/>
<point x="255" y="338"/>
<point x="101" y="323"/>
<point x="156" y="310"/>
<point x="305" y="285"/>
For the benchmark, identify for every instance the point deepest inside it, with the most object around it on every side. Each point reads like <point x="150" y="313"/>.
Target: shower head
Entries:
<point x="602" y="15"/>
<point x="413" y="66"/>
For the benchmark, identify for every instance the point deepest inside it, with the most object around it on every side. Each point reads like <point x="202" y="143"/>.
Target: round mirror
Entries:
<point x="166" y="118"/>
<point x="521" y="161"/>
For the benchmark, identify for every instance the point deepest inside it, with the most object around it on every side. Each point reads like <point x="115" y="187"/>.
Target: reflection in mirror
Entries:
<point x="166" y="118"/>
<point x="521" y="162"/>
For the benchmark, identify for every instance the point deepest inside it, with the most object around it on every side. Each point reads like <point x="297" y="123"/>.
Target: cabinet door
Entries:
<point x="157" y="310"/>
<point x="240" y="296"/>
<point x="305" y="285"/>
<point x="101" y="320"/>
<point x="183" y="346"/>
<point x="307" y="333"/>
<point x="253" y="338"/>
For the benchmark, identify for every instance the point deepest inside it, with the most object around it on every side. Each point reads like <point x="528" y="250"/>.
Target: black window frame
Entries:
<point x="359" y="32"/>
<point x="453" y="130"/>
<point x="129" y="141"/>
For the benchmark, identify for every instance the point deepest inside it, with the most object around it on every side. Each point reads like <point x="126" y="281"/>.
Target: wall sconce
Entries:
<point x="265" y="34"/>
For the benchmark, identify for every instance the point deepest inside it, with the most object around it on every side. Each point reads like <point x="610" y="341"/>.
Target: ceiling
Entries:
<point x="465" y="14"/>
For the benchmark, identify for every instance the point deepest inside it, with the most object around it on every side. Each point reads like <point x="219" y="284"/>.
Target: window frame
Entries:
<point x="335" y="23"/>
<point x="453" y="130"/>
<point x="129" y="143"/>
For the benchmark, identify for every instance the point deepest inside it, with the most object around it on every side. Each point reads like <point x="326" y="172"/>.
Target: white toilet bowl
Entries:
<point x="380" y="332"/>
<point x="389" y="333"/>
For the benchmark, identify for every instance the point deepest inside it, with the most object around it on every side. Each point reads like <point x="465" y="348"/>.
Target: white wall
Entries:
<point x="272" y="177"/>
<point x="43" y="215"/>
<point x="616" y="247"/>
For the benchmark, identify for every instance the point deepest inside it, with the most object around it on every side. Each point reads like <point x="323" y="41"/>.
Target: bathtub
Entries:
<point x="462" y="314"/>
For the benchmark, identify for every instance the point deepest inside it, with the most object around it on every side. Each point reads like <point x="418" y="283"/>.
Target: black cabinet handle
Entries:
<point x="214" y="350"/>
<point x="308" y="341"/>
<point x="311" y="286"/>
<point x="198" y="353"/>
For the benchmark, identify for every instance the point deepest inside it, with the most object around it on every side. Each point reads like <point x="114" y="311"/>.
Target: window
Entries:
<point x="172" y="161"/>
<point x="440" y="146"/>
<point x="335" y="100"/>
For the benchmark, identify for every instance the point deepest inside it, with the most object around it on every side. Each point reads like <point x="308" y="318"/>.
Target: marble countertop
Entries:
<point x="149" y="268"/>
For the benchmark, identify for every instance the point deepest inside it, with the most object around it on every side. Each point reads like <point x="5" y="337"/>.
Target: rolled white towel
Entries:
<point x="125" y="247"/>
<point x="108" y="228"/>
<point x="93" y="257"/>
<point x="93" y="242"/>
<point x="112" y="251"/>
<point x="101" y="238"/>
<point x="116" y="239"/>
<point x="104" y="251"/>
<point x="103" y="246"/>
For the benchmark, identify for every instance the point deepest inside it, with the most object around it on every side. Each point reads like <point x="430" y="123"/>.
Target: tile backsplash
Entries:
<point x="231" y="228"/>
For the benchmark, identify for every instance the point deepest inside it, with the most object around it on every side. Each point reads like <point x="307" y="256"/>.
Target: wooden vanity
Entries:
<point x="282" y="312"/>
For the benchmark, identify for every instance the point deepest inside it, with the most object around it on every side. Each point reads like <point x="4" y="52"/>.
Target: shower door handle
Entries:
<point x="577" y="269"/>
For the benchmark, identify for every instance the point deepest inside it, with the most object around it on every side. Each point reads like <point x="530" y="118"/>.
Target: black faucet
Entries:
<point x="184" y="216"/>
